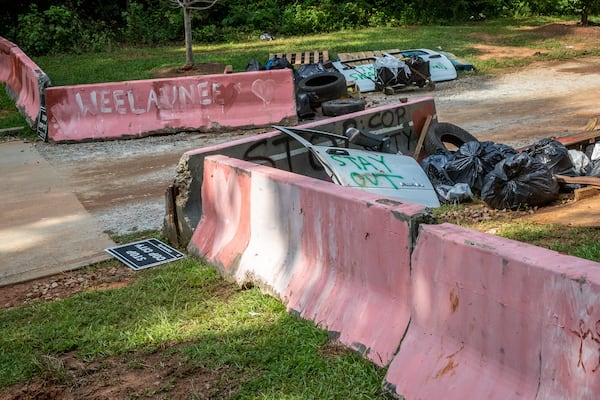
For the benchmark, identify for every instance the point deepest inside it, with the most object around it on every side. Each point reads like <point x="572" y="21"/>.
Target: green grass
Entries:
<point x="141" y="63"/>
<point x="575" y="241"/>
<point x="9" y="115"/>
<point x="214" y="324"/>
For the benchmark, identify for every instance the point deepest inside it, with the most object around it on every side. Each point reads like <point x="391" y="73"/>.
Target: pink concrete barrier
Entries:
<point x="334" y="255"/>
<point x="5" y="65"/>
<point x="141" y="108"/>
<point x="498" y="319"/>
<point x="184" y="203"/>
<point x="26" y="84"/>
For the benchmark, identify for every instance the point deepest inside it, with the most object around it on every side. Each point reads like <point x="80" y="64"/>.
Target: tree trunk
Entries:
<point x="187" y="26"/>
<point x="584" y="17"/>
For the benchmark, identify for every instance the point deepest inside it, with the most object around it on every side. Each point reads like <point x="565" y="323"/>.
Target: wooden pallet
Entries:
<point x="304" y="57"/>
<point x="364" y="57"/>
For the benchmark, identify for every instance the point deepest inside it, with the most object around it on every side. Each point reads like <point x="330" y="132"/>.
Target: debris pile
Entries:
<point x="320" y="88"/>
<point x="507" y="178"/>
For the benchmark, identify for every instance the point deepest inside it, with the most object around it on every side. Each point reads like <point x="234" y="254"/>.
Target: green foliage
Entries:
<point x="82" y="25"/>
<point x="152" y="25"/>
<point x="584" y="8"/>
<point x="208" y="34"/>
<point x="60" y="30"/>
<point x="55" y="30"/>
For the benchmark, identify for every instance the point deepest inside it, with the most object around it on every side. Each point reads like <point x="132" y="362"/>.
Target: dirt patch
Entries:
<point x="131" y="376"/>
<point x="196" y="69"/>
<point x="582" y="213"/>
<point x="65" y="285"/>
<point x="568" y="30"/>
<point x="571" y="35"/>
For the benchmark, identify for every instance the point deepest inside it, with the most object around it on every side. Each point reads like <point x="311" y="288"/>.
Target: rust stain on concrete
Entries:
<point x="453" y="300"/>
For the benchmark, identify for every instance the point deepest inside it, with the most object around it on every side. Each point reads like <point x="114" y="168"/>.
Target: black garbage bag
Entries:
<point x="517" y="181"/>
<point x="307" y="70"/>
<point x="278" y="63"/>
<point x="391" y="71"/>
<point x="254" y="65"/>
<point x="492" y="153"/>
<point x="303" y="108"/>
<point x="435" y="168"/>
<point x="420" y="70"/>
<point x="466" y="165"/>
<point x="554" y="155"/>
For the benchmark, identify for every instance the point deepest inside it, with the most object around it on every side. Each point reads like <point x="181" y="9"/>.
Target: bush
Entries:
<point x="56" y="30"/>
<point x="300" y="20"/>
<point x="152" y="25"/>
<point x="207" y="34"/>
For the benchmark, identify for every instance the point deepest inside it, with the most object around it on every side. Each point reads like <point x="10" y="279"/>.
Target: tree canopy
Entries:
<point x="42" y="27"/>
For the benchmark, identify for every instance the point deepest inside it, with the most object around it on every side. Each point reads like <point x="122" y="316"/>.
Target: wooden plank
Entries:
<point x="422" y="136"/>
<point x="586" y="192"/>
<point x="306" y="57"/>
<point x="582" y="180"/>
<point x="591" y="124"/>
<point x="580" y="140"/>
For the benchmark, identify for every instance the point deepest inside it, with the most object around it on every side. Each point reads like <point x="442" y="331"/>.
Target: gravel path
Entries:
<point x="122" y="183"/>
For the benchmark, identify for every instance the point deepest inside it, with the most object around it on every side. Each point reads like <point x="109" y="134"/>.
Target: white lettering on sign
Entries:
<point x="166" y="97"/>
<point x="149" y="251"/>
<point x="136" y="255"/>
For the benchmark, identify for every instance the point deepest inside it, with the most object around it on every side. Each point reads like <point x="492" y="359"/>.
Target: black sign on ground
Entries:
<point x="42" y="126"/>
<point x="144" y="254"/>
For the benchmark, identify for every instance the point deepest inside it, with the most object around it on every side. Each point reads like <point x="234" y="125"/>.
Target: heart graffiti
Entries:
<point x="227" y="95"/>
<point x="264" y="89"/>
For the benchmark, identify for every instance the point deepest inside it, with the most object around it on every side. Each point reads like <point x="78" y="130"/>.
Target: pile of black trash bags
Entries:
<point x="505" y="178"/>
<point x="303" y="71"/>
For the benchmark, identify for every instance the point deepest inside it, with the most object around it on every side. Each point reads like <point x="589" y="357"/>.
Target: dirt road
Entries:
<point x="122" y="183"/>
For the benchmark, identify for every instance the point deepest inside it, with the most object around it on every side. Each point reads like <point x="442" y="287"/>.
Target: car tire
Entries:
<point x="333" y="108"/>
<point x="323" y="86"/>
<point x="443" y="133"/>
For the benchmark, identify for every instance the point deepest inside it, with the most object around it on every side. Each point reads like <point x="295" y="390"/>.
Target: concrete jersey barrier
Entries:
<point x="26" y="83"/>
<point x="5" y="64"/>
<point x="301" y="239"/>
<point x="183" y="199"/>
<point x="494" y="318"/>
<point x="144" y="107"/>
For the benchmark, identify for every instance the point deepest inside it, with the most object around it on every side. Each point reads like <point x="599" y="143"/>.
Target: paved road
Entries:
<point x="44" y="229"/>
